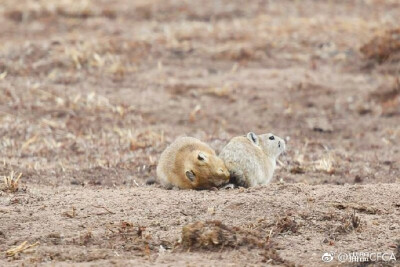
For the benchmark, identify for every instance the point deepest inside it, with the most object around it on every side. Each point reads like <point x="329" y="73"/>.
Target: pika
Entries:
<point x="188" y="163"/>
<point x="251" y="159"/>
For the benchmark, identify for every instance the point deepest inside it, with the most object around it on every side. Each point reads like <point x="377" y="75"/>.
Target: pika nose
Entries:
<point x="279" y="143"/>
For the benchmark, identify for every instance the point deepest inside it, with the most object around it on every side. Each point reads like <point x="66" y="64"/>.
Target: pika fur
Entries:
<point x="188" y="163"/>
<point x="251" y="159"/>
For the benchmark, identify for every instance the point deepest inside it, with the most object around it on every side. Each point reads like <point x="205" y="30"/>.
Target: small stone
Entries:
<point x="211" y="210"/>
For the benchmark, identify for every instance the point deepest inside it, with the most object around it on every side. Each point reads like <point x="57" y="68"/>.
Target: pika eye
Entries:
<point x="272" y="137"/>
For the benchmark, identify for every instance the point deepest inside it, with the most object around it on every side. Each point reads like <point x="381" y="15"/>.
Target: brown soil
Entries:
<point x="91" y="92"/>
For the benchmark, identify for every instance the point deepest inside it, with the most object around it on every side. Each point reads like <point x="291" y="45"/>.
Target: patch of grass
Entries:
<point x="11" y="182"/>
<point x="131" y="237"/>
<point x="326" y="164"/>
<point x="349" y="223"/>
<point x="19" y="249"/>
<point x="214" y="235"/>
<point x="397" y="251"/>
<point x="383" y="46"/>
<point x="70" y="214"/>
<point x="286" y="224"/>
<point x="85" y="238"/>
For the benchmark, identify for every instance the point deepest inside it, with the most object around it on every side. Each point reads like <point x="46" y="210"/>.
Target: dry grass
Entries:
<point x="132" y="238"/>
<point x="214" y="235"/>
<point x="21" y="248"/>
<point x="82" y="99"/>
<point x="383" y="46"/>
<point x="302" y="164"/>
<point x="286" y="224"/>
<point x="146" y="139"/>
<point x="388" y="98"/>
<point x="326" y="164"/>
<point x="85" y="238"/>
<point x="71" y="9"/>
<point x="11" y="182"/>
<point x="223" y="91"/>
<point x="348" y="223"/>
<point x="70" y="214"/>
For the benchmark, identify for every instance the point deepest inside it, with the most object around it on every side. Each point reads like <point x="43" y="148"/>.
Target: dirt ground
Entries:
<point x="91" y="92"/>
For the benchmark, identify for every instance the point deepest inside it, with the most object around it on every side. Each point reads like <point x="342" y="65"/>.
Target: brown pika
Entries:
<point x="188" y="163"/>
<point x="251" y="159"/>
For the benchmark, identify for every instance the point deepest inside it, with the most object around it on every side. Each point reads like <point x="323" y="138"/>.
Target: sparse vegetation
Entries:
<point x="286" y="224"/>
<point x="384" y="46"/>
<point x="214" y="235"/>
<point x="11" y="182"/>
<point x="349" y="222"/>
<point x="15" y="251"/>
<point x="70" y="214"/>
<point x="326" y="164"/>
<point x="91" y="92"/>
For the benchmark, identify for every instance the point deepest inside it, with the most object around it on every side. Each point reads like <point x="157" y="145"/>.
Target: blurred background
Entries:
<point x="91" y="92"/>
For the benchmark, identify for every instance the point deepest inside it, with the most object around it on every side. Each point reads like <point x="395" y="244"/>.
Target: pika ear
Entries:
<point x="190" y="175"/>
<point x="253" y="138"/>
<point x="201" y="156"/>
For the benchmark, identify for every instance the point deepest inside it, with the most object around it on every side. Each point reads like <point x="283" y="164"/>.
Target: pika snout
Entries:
<point x="223" y="172"/>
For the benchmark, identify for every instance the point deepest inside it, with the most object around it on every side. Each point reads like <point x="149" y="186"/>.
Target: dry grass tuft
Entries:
<point x="131" y="237"/>
<point x="11" y="182"/>
<point x="70" y="214"/>
<point x="223" y="91"/>
<point x="21" y="248"/>
<point x="326" y="164"/>
<point x="286" y="224"/>
<point x="214" y="235"/>
<point x="240" y="52"/>
<point x="85" y="238"/>
<point x="146" y="139"/>
<point x="193" y="114"/>
<point x="382" y="47"/>
<point x="297" y="170"/>
<point x="388" y="97"/>
<point x="398" y="249"/>
<point x="349" y="223"/>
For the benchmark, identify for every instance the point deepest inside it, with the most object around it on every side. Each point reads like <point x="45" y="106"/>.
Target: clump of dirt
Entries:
<point x="130" y="237"/>
<point x="286" y="224"/>
<point x="388" y="97"/>
<point x="15" y="251"/>
<point x="397" y="249"/>
<point x="349" y="223"/>
<point x="383" y="47"/>
<point x="11" y="182"/>
<point x="146" y="139"/>
<point x="214" y="235"/>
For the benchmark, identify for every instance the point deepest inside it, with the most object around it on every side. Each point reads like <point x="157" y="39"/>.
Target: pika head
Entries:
<point x="271" y="144"/>
<point x="205" y="170"/>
